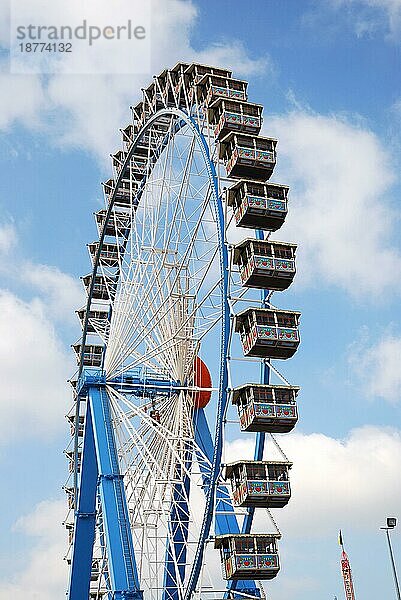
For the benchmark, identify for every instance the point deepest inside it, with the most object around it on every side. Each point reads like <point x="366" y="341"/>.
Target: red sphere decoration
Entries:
<point x="202" y="379"/>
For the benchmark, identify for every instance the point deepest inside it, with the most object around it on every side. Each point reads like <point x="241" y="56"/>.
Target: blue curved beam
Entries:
<point x="223" y="374"/>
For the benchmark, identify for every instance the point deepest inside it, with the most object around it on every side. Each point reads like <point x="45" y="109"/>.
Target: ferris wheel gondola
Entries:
<point x="154" y="388"/>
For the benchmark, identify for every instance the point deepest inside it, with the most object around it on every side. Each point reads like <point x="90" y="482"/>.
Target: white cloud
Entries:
<point x="377" y="366"/>
<point x="371" y="15"/>
<point x="349" y="482"/>
<point x="35" y="365"/>
<point x="34" y="368"/>
<point x="8" y="238"/>
<point x="60" y="293"/>
<point x="23" y="102"/>
<point x="41" y="521"/>
<point x="337" y="171"/>
<point x="91" y="108"/>
<point x="234" y="55"/>
<point x="44" y="576"/>
<point x="290" y="587"/>
<point x="105" y="99"/>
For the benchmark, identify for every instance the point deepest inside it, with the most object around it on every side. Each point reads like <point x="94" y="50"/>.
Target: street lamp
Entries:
<point x="391" y="523"/>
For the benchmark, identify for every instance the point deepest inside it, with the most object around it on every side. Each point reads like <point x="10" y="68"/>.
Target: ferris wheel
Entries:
<point x="178" y="335"/>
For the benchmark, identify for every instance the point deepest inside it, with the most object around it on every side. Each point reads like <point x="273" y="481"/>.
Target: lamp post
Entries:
<point x="391" y="523"/>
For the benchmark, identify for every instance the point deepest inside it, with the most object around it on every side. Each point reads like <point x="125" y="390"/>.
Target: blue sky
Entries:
<point x="327" y="74"/>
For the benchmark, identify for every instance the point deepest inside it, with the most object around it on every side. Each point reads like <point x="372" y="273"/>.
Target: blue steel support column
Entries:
<point x="260" y="436"/>
<point x="258" y="455"/>
<point x="176" y="552"/>
<point x="264" y="371"/>
<point x="259" y="448"/>
<point x="227" y="522"/>
<point x="225" y="519"/>
<point x="120" y="550"/>
<point x="85" y="517"/>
